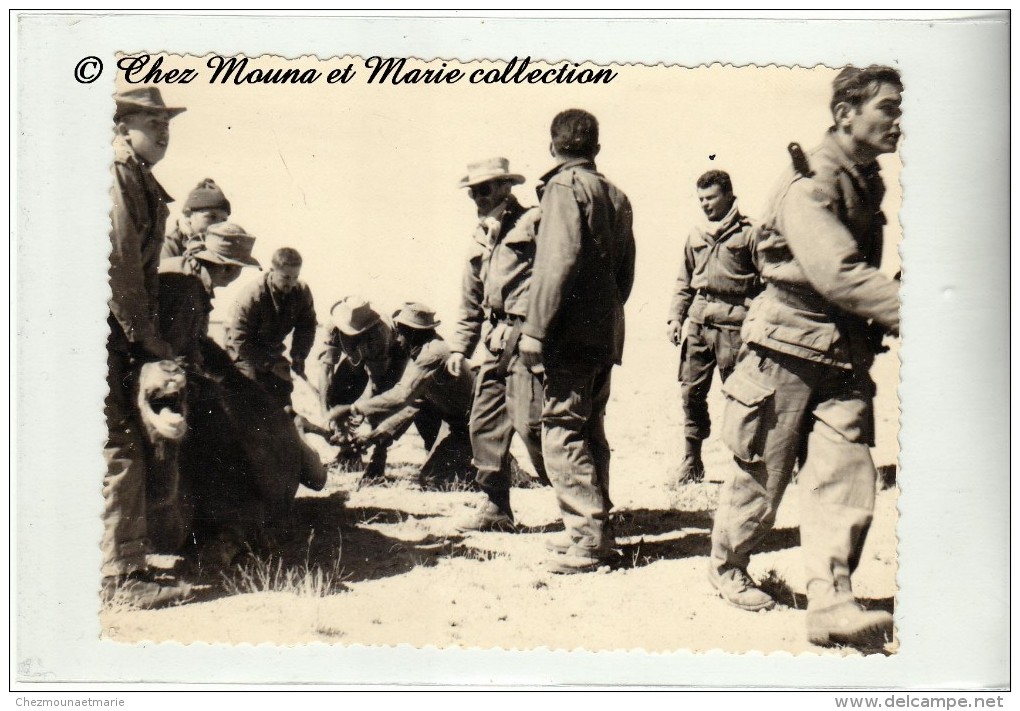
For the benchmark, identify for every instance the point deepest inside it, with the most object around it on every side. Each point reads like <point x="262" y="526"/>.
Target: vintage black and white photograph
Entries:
<point x="428" y="356"/>
<point x="502" y="353"/>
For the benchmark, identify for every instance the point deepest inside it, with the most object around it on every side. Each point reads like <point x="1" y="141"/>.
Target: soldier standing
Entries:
<point x="801" y="388"/>
<point x="717" y="280"/>
<point x="583" y="274"/>
<point x="142" y="124"/>
<point x="508" y="396"/>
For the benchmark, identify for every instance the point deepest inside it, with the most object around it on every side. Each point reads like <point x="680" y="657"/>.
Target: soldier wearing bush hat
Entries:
<point x="427" y="395"/>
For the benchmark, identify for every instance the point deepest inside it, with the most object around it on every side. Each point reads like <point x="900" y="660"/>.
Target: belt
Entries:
<point x="731" y="299"/>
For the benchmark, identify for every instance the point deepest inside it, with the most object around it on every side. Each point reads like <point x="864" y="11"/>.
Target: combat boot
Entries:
<point x="491" y="513"/>
<point x="692" y="470"/>
<point x="851" y="624"/>
<point x="737" y="588"/>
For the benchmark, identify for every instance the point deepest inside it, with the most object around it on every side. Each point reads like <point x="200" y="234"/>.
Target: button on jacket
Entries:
<point x="584" y="265"/>
<point x="828" y="226"/>
<point x="718" y="272"/>
<point x="139" y="221"/>
<point x="263" y="317"/>
<point x="497" y="273"/>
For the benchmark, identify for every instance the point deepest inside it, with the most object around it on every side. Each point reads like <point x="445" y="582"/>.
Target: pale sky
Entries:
<point x="362" y="179"/>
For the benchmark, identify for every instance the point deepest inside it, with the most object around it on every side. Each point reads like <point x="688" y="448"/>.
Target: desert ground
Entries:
<point x="382" y="564"/>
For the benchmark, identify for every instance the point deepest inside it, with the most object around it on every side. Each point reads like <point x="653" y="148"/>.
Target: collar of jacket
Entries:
<point x="864" y="174"/>
<point x="724" y="227"/>
<point x="125" y="154"/>
<point x="559" y="168"/>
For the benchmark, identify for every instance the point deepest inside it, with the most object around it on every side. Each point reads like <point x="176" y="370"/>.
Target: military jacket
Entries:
<point x="584" y="265"/>
<point x="497" y="273"/>
<point x="139" y="217"/>
<point x="263" y="317"/>
<point x="719" y="275"/>
<point x="820" y="249"/>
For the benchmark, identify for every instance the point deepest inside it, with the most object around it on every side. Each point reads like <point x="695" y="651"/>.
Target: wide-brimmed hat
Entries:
<point x="227" y="243"/>
<point x="144" y="98"/>
<point x="486" y="170"/>
<point x="416" y="315"/>
<point x="353" y="315"/>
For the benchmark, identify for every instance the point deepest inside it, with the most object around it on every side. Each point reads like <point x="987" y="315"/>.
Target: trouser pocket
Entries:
<point x="747" y="409"/>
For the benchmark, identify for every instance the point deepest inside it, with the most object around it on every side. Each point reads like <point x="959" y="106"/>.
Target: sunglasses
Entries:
<point x="482" y="190"/>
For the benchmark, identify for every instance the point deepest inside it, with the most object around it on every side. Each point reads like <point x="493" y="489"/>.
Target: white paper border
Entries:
<point x="953" y="603"/>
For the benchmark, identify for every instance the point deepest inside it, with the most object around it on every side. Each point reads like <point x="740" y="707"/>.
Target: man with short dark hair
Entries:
<point x="801" y="389"/>
<point x="574" y="330"/>
<point x="494" y="302"/>
<point x="263" y="316"/>
<point x="718" y="278"/>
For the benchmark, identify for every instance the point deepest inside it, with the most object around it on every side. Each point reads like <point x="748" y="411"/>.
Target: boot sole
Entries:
<point x="874" y="634"/>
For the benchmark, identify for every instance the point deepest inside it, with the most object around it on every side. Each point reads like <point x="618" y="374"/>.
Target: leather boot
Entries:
<point x="692" y="470"/>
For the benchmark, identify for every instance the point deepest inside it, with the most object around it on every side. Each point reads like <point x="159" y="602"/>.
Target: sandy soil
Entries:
<point x="383" y="565"/>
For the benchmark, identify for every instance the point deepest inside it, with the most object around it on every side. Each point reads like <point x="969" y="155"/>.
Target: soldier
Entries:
<point x="187" y="285"/>
<point x="427" y="394"/>
<point x="583" y="274"/>
<point x="361" y="357"/>
<point x="206" y="205"/>
<point x="801" y="388"/>
<point x="263" y="316"/>
<point x="508" y="396"/>
<point x="142" y="124"/>
<point x="717" y="280"/>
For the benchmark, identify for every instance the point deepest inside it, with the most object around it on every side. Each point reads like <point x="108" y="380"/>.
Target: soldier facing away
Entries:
<point x="717" y="280"/>
<point x="583" y="274"/>
<point x="801" y="388"/>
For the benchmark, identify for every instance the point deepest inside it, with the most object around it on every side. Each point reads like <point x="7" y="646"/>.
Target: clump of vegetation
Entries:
<point x="269" y="574"/>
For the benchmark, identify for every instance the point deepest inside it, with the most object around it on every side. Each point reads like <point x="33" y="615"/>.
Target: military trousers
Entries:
<point x="125" y="541"/>
<point x="502" y="405"/>
<point x="576" y="450"/>
<point x="781" y="409"/>
<point x="705" y="347"/>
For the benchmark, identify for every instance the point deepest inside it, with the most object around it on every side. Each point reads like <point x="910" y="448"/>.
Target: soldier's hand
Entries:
<point x="339" y="413"/>
<point x="454" y="364"/>
<point x="530" y="350"/>
<point x="673" y="332"/>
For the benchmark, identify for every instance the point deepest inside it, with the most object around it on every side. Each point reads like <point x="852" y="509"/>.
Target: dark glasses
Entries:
<point x="482" y="189"/>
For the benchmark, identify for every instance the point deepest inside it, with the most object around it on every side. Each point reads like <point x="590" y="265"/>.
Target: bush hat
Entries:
<point x="417" y="316"/>
<point x="145" y="99"/>
<point x="227" y="243"/>
<point x="491" y="169"/>
<point x="353" y="315"/>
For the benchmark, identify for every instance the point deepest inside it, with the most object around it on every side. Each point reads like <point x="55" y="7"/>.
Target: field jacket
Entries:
<point x="497" y="273"/>
<point x="820" y="249"/>
<point x="262" y="319"/>
<point x="584" y="265"/>
<point x="139" y="217"/>
<point x="719" y="275"/>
